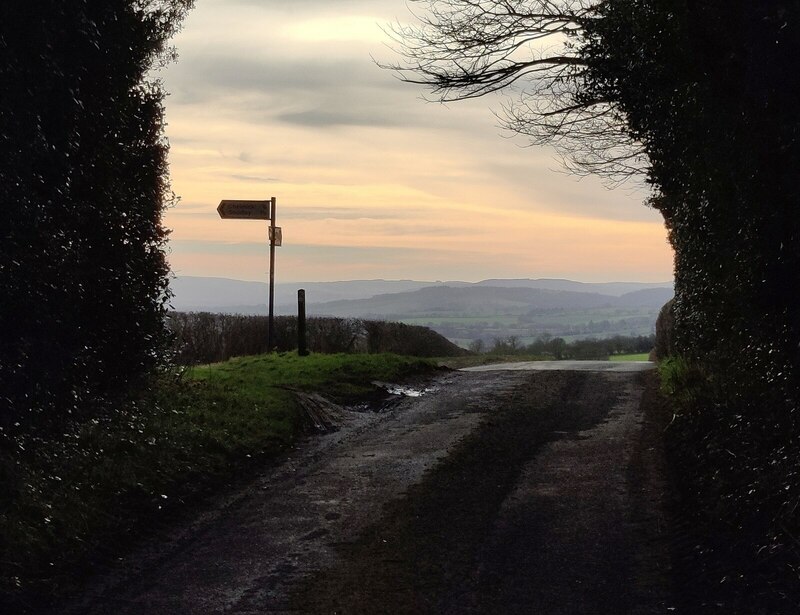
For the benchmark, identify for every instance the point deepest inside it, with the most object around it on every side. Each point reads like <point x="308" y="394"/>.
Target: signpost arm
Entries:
<point x="271" y="326"/>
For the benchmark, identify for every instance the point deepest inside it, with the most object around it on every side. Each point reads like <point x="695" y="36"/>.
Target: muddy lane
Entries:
<point x="498" y="492"/>
<point x="553" y="505"/>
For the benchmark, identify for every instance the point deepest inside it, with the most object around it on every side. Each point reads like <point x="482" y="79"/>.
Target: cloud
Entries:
<point x="337" y="28"/>
<point x="322" y="118"/>
<point x="336" y="213"/>
<point x="254" y="178"/>
<point x="311" y="93"/>
<point x="269" y="76"/>
<point x="265" y="92"/>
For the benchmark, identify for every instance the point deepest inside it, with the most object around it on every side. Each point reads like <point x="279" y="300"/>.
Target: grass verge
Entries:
<point x="71" y="503"/>
<point x="644" y="356"/>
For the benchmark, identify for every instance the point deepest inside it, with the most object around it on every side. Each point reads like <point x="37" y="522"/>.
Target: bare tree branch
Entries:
<point x="530" y="49"/>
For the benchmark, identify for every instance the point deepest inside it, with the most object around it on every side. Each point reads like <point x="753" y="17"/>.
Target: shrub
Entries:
<point x="201" y="337"/>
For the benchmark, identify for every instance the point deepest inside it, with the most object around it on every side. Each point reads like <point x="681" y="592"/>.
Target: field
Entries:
<point x="571" y="325"/>
<point x="631" y="357"/>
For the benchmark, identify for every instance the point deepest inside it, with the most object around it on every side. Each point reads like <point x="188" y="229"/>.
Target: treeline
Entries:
<point x="557" y="348"/>
<point x="203" y="337"/>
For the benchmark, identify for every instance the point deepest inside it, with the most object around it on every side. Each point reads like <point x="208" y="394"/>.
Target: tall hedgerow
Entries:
<point x="710" y="89"/>
<point x="83" y="184"/>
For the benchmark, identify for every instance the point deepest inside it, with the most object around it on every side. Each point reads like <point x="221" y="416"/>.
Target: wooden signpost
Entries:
<point x="259" y="210"/>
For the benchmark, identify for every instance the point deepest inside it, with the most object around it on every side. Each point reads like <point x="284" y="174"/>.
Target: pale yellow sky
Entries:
<point x="276" y="99"/>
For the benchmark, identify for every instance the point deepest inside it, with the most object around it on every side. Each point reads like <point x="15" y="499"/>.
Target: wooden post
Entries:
<point x="271" y="329"/>
<point x="301" y="323"/>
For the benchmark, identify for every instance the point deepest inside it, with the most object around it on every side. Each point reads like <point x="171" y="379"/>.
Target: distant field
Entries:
<point x="571" y="325"/>
<point x="630" y="357"/>
<point x="554" y="317"/>
<point x="594" y="315"/>
<point x="461" y="320"/>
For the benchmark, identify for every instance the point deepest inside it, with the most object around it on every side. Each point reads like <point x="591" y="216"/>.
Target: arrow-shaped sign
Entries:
<point x="246" y="210"/>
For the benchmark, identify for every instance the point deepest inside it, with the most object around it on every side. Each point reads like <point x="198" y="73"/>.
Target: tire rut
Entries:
<point x="424" y="555"/>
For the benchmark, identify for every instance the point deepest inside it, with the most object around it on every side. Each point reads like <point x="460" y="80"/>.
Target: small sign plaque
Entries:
<point x="278" y="235"/>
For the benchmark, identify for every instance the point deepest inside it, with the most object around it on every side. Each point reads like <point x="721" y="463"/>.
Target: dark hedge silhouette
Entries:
<point x="83" y="183"/>
<point x="203" y="337"/>
<point x="713" y="99"/>
<point x="665" y="332"/>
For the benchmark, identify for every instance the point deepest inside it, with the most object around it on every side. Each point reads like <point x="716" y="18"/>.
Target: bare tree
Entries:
<point x="532" y="51"/>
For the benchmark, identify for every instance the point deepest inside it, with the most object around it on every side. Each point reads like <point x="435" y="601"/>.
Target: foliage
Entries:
<point x="737" y="493"/>
<point x="83" y="184"/>
<point x="721" y="161"/>
<point x="665" y="331"/>
<point x="81" y="495"/>
<point x="682" y="380"/>
<point x="202" y="337"/>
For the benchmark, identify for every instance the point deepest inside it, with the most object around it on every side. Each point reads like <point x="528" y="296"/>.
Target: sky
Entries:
<point x="285" y="99"/>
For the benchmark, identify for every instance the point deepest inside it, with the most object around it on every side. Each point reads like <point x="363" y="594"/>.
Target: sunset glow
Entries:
<point x="370" y="181"/>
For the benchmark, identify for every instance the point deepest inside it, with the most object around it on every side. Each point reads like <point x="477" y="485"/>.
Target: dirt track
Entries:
<point x="499" y="492"/>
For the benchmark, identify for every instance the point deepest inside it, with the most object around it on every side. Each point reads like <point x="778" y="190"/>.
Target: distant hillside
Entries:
<point x="604" y="288"/>
<point x="462" y="302"/>
<point x="232" y="296"/>
<point x="235" y="296"/>
<point x="478" y="300"/>
<point x="461" y="311"/>
<point x="651" y="297"/>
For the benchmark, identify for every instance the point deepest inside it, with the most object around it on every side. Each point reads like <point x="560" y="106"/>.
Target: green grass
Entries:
<point x="67" y="499"/>
<point x="338" y="376"/>
<point x="644" y="356"/>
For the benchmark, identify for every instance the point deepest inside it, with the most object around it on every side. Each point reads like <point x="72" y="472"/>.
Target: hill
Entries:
<point x="616" y="289"/>
<point x="224" y="295"/>
<point x="473" y="300"/>
<point x="461" y="311"/>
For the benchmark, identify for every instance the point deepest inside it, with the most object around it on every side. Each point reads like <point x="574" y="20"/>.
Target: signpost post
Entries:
<point x="259" y="210"/>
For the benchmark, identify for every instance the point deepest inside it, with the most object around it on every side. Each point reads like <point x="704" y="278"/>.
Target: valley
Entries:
<point x="463" y="312"/>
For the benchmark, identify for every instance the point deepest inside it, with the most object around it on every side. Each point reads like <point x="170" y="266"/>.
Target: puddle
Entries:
<point x="390" y="396"/>
<point x="404" y="390"/>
